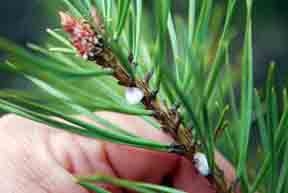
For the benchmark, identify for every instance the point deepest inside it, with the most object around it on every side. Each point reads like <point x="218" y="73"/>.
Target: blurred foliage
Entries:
<point x="26" y="20"/>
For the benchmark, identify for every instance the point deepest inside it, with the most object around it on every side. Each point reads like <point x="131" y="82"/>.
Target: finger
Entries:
<point x="136" y="126"/>
<point x="139" y="164"/>
<point x="81" y="156"/>
<point x="186" y="178"/>
<point x="225" y="165"/>
<point x="48" y="156"/>
<point x="27" y="165"/>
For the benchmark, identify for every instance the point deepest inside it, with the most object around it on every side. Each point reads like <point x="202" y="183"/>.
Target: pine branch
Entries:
<point x="97" y="50"/>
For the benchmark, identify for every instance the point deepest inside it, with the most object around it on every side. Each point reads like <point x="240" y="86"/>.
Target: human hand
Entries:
<point x="36" y="158"/>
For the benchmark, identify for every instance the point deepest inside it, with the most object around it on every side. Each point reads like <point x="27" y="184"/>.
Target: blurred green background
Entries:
<point x="26" y="20"/>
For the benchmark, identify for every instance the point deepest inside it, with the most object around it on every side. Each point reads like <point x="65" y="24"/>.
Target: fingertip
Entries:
<point x="187" y="178"/>
<point x="226" y="166"/>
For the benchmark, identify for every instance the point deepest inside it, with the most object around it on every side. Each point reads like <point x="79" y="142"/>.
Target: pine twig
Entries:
<point x="91" y="46"/>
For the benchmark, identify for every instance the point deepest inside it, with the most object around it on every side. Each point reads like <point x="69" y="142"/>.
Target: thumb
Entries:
<point x="27" y="166"/>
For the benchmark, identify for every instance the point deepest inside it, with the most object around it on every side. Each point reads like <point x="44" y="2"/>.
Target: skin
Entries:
<point x="36" y="158"/>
